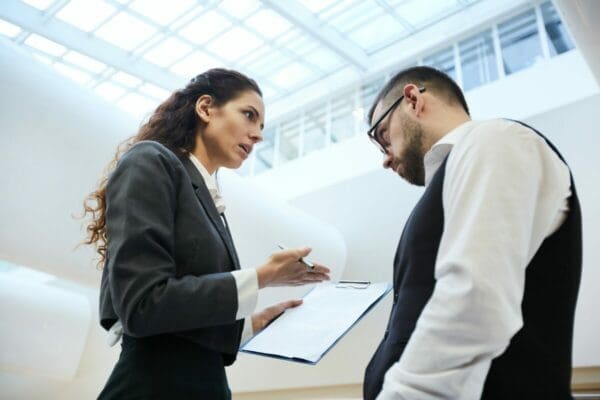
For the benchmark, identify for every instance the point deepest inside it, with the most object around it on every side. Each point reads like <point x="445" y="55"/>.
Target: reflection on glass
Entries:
<point x="559" y="40"/>
<point x="478" y="60"/>
<point x="520" y="42"/>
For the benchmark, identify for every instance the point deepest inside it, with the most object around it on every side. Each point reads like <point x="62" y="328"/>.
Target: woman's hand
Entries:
<point x="285" y="268"/>
<point x="264" y="318"/>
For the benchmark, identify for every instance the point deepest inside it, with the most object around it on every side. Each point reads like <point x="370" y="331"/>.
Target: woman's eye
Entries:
<point x="249" y="114"/>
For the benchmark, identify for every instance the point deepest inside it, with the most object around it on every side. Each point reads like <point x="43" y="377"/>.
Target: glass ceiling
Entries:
<point x="134" y="53"/>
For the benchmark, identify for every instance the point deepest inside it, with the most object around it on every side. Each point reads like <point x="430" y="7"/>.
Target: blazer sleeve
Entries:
<point x="146" y="292"/>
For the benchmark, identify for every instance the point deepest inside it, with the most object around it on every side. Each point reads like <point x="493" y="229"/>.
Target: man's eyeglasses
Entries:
<point x="375" y="135"/>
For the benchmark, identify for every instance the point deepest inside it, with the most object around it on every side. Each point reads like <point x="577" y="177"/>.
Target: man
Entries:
<point x="487" y="270"/>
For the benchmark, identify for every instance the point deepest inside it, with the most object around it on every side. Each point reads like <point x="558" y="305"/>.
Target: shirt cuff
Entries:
<point x="246" y="281"/>
<point x="248" y="332"/>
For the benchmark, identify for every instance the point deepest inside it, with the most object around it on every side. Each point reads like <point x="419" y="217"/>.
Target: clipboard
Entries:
<point x="307" y="333"/>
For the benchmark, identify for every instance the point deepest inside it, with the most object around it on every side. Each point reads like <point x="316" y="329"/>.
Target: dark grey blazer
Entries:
<point x="169" y="253"/>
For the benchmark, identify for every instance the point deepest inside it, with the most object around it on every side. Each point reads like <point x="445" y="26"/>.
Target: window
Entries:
<point x="444" y="61"/>
<point x="315" y="129"/>
<point x="478" y="60"/>
<point x="264" y="151"/>
<point x="559" y="40"/>
<point x="368" y="93"/>
<point x="289" y="140"/>
<point x="520" y="42"/>
<point x="342" y="120"/>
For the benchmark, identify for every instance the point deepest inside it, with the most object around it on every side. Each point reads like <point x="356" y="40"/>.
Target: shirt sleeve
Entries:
<point x="502" y="191"/>
<point x="246" y="282"/>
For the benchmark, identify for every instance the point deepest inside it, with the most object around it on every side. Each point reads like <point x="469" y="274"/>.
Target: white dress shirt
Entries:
<point x="246" y="280"/>
<point x="504" y="192"/>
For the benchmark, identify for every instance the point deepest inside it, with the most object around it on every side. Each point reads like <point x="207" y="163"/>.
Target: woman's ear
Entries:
<point x="204" y="106"/>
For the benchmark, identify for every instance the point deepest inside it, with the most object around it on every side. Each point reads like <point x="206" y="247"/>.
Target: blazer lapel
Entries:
<point x="209" y="206"/>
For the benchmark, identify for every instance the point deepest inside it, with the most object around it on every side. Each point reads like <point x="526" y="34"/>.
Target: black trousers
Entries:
<point x="166" y="367"/>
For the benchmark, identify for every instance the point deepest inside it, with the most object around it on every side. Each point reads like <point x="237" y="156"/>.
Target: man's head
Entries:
<point x="414" y="110"/>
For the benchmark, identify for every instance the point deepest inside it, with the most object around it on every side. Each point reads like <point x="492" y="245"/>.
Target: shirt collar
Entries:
<point x="439" y="151"/>
<point x="211" y="184"/>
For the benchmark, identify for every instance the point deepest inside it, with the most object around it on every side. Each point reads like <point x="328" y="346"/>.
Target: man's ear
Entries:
<point x="414" y="98"/>
<point x="204" y="107"/>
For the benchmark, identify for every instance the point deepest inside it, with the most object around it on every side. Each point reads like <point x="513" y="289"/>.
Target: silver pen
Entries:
<point x="309" y="265"/>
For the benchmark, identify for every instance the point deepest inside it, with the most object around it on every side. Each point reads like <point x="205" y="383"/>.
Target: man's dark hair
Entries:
<point x="433" y="80"/>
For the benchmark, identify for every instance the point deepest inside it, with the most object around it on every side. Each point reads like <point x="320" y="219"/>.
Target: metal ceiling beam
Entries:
<point x="301" y="17"/>
<point x="31" y="19"/>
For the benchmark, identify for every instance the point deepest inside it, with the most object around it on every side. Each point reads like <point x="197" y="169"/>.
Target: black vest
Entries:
<point x="537" y="362"/>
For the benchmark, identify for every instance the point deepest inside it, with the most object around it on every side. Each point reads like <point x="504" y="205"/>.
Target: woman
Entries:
<point x="171" y="283"/>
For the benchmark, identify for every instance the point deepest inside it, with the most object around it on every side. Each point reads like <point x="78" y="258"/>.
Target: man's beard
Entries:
<point x="412" y="157"/>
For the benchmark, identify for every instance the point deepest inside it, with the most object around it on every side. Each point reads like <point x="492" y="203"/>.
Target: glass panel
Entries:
<point x="85" y="14"/>
<point x="520" y="42"/>
<point x="323" y="58"/>
<point x="315" y="129"/>
<point x="205" y="27"/>
<point x="368" y="92"/>
<point x="162" y="12"/>
<point x="444" y="61"/>
<point x="240" y="9"/>
<point x="316" y="5"/>
<point x="137" y="105"/>
<point x="125" y="79"/>
<point x="271" y="61"/>
<point x="125" y="31"/>
<point x="289" y="140"/>
<point x="234" y="43"/>
<point x="195" y="64"/>
<point x="359" y="14"/>
<point x="419" y="13"/>
<point x="292" y="75"/>
<point x="268" y="23"/>
<point x="39" y="4"/>
<point x="369" y="38"/>
<point x="84" y="61"/>
<point x="154" y="91"/>
<point x="559" y="40"/>
<point x="8" y="29"/>
<point x="109" y="91"/>
<point x="265" y="151"/>
<point x="342" y="120"/>
<point x="478" y="60"/>
<point x="45" y="45"/>
<point x="167" y="52"/>
<point x="72" y="73"/>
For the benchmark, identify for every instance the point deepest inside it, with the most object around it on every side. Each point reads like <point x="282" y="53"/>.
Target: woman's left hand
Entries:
<point x="265" y="317"/>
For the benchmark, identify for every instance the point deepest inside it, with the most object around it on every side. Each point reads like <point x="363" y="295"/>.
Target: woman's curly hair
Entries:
<point x="174" y="124"/>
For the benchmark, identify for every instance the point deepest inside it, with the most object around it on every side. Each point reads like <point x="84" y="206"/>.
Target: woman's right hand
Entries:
<point x="284" y="268"/>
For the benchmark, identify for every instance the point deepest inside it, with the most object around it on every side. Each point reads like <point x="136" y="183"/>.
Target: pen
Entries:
<point x="309" y="265"/>
<point x="355" y="282"/>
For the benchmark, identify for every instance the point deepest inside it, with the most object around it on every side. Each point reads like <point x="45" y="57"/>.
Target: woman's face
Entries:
<point x="231" y="130"/>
